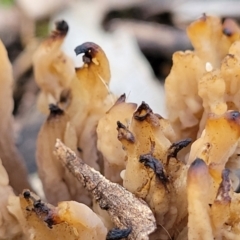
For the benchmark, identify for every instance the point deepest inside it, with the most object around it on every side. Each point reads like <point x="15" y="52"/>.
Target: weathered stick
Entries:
<point x="126" y="210"/>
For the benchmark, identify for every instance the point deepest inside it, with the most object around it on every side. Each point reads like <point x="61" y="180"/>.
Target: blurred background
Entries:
<point x="138" y="36"/>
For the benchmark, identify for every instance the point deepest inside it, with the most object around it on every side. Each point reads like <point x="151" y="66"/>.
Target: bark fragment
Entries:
<point x="124" y="208"/>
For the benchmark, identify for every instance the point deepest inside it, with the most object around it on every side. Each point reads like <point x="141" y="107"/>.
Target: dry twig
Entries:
<point x="125" y="210"/>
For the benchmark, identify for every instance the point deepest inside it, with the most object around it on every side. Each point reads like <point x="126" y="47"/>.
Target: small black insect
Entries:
<point x="142" y="112"/>
<point x="62" y="26"/>
<point x="89" y="49"/>
<point x="118" y="234"/>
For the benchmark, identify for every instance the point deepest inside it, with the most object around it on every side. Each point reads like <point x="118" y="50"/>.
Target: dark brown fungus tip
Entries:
<point x="203" y="17"/>
<point x="228" y="32"/>
<point x="149" y="161"/>
<point x="118" y="234"/>
<point x="37" y="204"/>
<point x="158" y="116"/>
<point x="198" y="168"/>
<point x="124" y="133"/>
<point x="88" y="48"/>
<point x="65" y="96"/>
<point x="233" y="115"/>
<point x="225" y="174"/>
<point x="120" y="125"/>
<point x="142" y="112"/>
<point x="65" y="99"/>
<point x="121" y="99"/>
<point x="55" y="110"/>
<point x="176" y="147"/>
<point x="26" y="194"/>
<point x="79" y="149"/>
<point x="230" y="55"/>
<point x="49" y="221"/>
<point x="230" y="27"/>
<point x="225" y="187"/>
<point x="62" y="26"/>
<point x="197" y="163"/>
